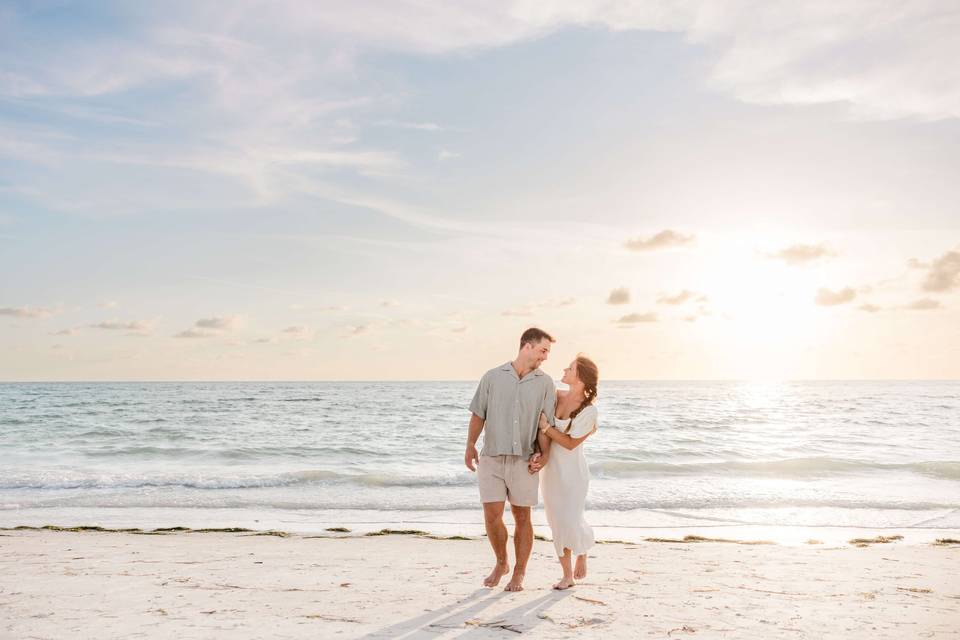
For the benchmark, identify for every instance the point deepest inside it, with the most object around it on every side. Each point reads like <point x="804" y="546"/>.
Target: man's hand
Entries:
<point x="537" y="461"/>
<point x="470" y="458"/>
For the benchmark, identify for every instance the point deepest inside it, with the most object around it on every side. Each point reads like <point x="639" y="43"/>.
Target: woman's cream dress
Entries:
<point x="564" y="483"/>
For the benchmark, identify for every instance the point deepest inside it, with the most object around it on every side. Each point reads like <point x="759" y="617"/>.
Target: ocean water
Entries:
<point x="800" y="454"/>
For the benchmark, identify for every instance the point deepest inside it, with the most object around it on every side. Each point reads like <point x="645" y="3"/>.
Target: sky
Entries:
<point x="396" y="190"/>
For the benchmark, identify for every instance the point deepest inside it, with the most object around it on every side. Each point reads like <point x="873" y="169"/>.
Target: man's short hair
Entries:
<point x="534" y="336"/>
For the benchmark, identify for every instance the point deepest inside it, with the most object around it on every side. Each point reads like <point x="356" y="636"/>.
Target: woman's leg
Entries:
<point x="581" y="570"/>
<point x="566" y="562"/>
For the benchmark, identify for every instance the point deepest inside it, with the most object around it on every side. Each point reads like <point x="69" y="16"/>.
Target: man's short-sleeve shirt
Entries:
<point x="510" y="407"/>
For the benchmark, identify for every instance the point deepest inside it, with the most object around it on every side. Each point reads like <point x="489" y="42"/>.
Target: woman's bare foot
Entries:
<point x="565" y="583"/>
<point x="516" y="582"/>
<point x="498" y="572"/>
<point x="581" y="570"/>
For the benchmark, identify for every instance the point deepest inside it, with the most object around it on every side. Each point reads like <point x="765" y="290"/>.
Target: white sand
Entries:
<point x="224" y="585"/>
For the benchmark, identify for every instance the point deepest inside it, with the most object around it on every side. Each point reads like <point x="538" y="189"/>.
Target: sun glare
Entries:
<point x="766" y="316"/>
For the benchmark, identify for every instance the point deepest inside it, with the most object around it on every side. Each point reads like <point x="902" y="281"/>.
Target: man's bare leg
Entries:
<point x="522" y="543"/>
<point x="497" y="535"/>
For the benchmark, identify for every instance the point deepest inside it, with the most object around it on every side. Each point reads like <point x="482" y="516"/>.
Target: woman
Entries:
<point x="565" y="479"/>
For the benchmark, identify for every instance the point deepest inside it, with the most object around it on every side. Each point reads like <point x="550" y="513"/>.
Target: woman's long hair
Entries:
<point x="589" y="375"/>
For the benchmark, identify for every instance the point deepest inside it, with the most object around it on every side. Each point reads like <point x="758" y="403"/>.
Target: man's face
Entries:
<point x="539" y="352"/>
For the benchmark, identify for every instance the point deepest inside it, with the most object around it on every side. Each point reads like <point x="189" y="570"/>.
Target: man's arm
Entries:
<point x="470" y="458"/>
<point x="478" y="417"/>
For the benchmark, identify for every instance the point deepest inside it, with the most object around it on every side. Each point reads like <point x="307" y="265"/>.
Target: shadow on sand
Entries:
<point x="462" y="616"/>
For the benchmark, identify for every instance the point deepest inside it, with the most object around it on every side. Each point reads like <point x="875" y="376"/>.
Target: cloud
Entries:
<point x="460" y="329"/>
<point x="301" y="307"/>
<point x="447" y="155"/>
<point x="637" y="318"/>
<point x="196" y="333"/>
<point x="556" y="303"/>
<point x="522" y="312"/>
<point x="270" y="340"/>
<point x="65" y="332"/>
<point x="828" y="298"/>
<point x="212" y="327"/>
<point x="620" y="295"/>
<point x="220" y="323"/>
<point x="944" y="273"/>
<point x="420" y="126"/>
<point x="923" y="304"/>
<point x="802" y="253"/>
<point x="680" y="298"/>
<point x="108" y="304"/>
<point x="135" y="327"/>
<point x="869" y="308"/>
<point x="664" y="240"/>
<point x="390" y="304"/>
<point x="298" y="332"/>
<point x="357" y="330"/>
<point x="27" y="312"/>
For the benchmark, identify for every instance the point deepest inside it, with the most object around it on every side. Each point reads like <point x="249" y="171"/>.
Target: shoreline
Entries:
<point x="202" y="584"/>
<point x="341" y="532"/>
<point x="464" y="523"/>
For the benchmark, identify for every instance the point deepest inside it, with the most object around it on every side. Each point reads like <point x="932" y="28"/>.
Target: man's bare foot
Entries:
<point x="498" y="572"/>
<point x="565" y="583"/>
<point x="516" y="582"/>
<point x="580" y="572"/>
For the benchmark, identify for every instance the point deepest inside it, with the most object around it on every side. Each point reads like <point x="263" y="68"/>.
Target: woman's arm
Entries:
<point x="565" y="440"/>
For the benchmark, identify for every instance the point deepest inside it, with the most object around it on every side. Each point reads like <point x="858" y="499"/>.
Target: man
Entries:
<point x="506" y="407"/>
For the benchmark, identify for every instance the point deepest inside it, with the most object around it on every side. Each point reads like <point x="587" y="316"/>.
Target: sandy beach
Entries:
<point x="191" y="584"/>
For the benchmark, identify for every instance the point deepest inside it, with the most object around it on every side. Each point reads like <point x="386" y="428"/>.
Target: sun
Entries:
<point x="765" y="315"/>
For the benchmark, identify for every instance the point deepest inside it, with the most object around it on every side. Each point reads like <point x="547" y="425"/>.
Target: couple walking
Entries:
<point x="532" y="439"/>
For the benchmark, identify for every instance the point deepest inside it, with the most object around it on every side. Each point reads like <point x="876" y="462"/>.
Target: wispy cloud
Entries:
<point x="298" y="332"/>
<point x="65" y="332"/>
<point x="196" y="333"/>
<point x="354" y="331"/>
<point x="212" y="327"/>
<point x="620" y="295"/>
<point x="108" y="304"/>
<point x="923" y="304"/>
<point x="27" y="312"/>
<point x="802" y="253"/>
<point x="869" y="308"/>
<point x="681" y="297"/>
<point x="666" y="239"/>
<point x="520" y="312"/>
<point x="133" y="327"/>
<point x="220" y="323"/>
<point x="323" y="308"/>
<point x="829" y="298"/>
<point x="556" y="303"/>
<point x="444" y="154"/>
<point x="637" y="318"/>
<point x="420" y="126"/>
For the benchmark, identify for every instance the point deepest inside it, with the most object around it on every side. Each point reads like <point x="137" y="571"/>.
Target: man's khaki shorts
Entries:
<point x="507" y="478"/>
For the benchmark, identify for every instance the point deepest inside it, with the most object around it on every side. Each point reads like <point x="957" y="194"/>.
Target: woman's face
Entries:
<point x="570" y="374"/>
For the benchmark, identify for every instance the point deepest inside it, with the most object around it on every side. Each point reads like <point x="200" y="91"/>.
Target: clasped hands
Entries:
<point x="538" y="461"/>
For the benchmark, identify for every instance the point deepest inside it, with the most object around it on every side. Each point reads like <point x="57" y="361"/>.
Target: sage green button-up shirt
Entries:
<point x="510" y="407"/>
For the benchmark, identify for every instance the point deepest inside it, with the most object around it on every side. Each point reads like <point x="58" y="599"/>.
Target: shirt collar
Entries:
<point x="508" y="367"/>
